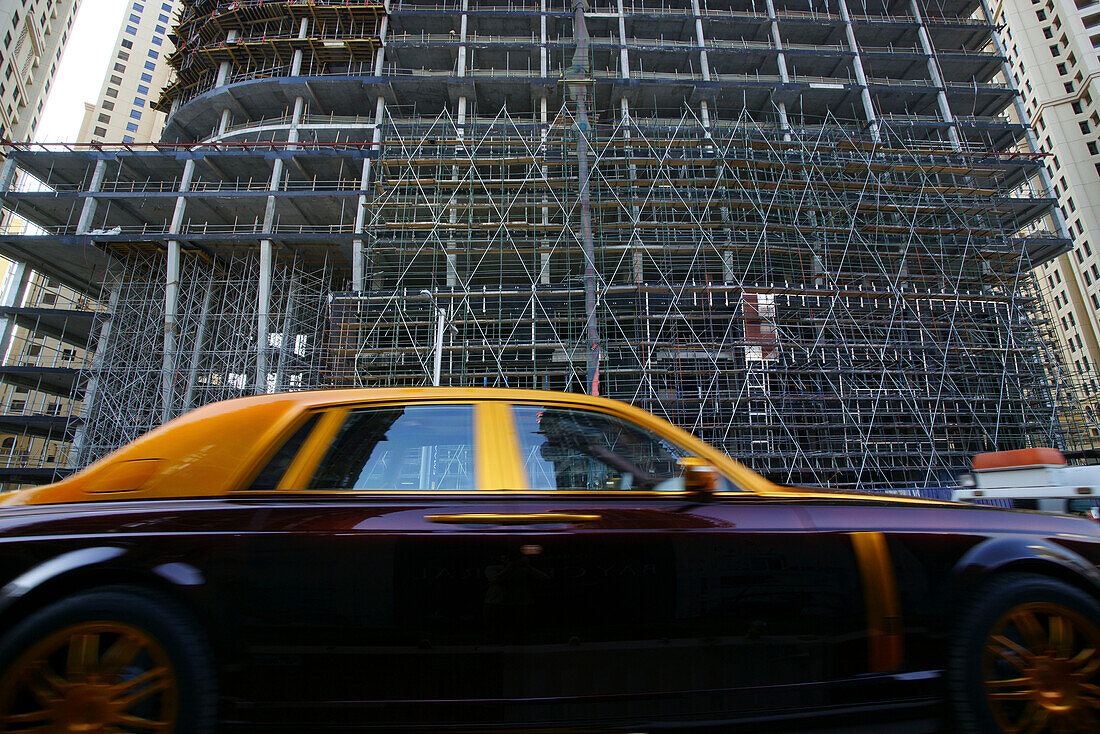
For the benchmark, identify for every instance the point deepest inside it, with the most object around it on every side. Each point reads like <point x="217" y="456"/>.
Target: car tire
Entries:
<point x="1020" y="656"/>
<point x="98" y="657"/>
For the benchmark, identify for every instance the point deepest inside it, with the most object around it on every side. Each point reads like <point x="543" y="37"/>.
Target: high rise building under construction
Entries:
<point x="801" y="229"/>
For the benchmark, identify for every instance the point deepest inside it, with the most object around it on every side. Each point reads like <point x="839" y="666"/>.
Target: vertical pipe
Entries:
<point x="99" y="358"/>
<point x="200" y="343"/>
<point x="579" y="73"/>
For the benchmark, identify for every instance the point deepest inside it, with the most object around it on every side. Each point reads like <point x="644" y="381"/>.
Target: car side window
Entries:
<point x="269" y="476"/>
<point x="578" y="450"/>
<point x="414" y="447"/>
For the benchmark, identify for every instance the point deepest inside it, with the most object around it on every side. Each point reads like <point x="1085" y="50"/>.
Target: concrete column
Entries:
<point x="937" y="77"/>
<point x="296" y="59"/>
<point x="359" y="256"/>
<point x="7" y="173"/>
<point x="87" y="213"/>
<point x="225" y="121"/>
<point x="18" y="277"/>
<point x="171" y="297"/>
<point x="263" y="299"/>
<point x="861" y="77"/>
<point x="224" y="67"/>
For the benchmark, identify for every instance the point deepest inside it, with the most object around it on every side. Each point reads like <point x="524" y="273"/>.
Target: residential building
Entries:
<point x="1052" y="49"/>
<point x="136" y="75"/>
<point x="34" y="33"/>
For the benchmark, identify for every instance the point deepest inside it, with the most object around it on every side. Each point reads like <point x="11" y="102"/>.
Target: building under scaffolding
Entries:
<point x="802" y="230"/>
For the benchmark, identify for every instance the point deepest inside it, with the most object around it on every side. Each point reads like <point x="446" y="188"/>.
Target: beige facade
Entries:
<point x="135" y="76"/>
<point x="32" y="36"/>
<point x="1053" y="48"/>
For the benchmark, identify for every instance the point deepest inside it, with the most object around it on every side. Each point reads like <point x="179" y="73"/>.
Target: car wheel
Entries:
<point x="1025" y="658"/>
<point x="108" y="660"/>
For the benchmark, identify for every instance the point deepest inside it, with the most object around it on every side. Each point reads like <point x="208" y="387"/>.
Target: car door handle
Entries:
<point x="481" y="518"/>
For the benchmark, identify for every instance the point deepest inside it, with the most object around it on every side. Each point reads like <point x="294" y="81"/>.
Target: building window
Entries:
<point x="1054" y="50"/>
<point x="150" y="65"/>
<point x="160" y="29"/>
<point x="166" y="7"/>
<point x="139" y="101"/>
<point x="126" y="43"/>
<point x="108" y="104"/>
<point x="131" y="30"/>
<point x="1069" y="87"/>
<point x="101" y="131"/>
<point x="1093" y="149"/>
<point x="1062" y="69"/>
<point x="153" y="55"/>
<point x="134" y="114"/>
<point x="139" y="7"/>
<point x="146" y="77"/>
<point x="120" y="68"/>
<point x="112" y="92"/>
<point x="1048" y="33"/>
<point x="1040" y="14"/>
<point x="142" y="89"/>
<point x="127" y="139"/>
<point x="105" y="118"/>
<point x="123" y="56"/>
<point x="116" y="79"/>
<point x="157" y="40"/>
<point x="134" y="18"/>
<point x="163" y="18"/>
<point x="132" y="127"/>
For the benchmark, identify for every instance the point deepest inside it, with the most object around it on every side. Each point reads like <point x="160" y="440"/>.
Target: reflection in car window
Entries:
<point x="416" y="447"/>
<point x="270" y="475"/>
<point x="568" y="449"/>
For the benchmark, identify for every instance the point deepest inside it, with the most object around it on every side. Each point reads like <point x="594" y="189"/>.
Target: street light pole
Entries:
<point x="440" y="323"/>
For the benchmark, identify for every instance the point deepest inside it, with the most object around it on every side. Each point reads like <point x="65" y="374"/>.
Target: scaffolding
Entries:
<point x="217" y="336"/>
<point x="823" y="306"/>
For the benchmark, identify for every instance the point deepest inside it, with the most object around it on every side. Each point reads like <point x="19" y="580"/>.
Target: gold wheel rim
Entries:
<point x="91" y="678"/>
<point x="1039" y="667"/>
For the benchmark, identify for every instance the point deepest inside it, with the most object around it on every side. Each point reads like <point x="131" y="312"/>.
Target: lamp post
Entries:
<point x="440" y="322"/>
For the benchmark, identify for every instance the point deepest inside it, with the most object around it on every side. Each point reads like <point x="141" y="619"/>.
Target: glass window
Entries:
<point x="149" y="65"/>
<point x="131" y="127"/>
<point x="415" y="447"/>
<point x="134" y="114"/>
<point x="160" y="29"/>
<point x="153" y="54"/>
<point x="577" y="450"/>
<point x="145" y="78"/>
<point x="134" y="18"/>
<point x="139" y="7"/>
<point x="127" y="138"/>
<point x="162" y="18"/>
<point x="142" y="89"/>
<point x="157" y="40"/>
<point x="139" y="101"/>
<point x="131" y="30"/>
<point x="269" y="476"/>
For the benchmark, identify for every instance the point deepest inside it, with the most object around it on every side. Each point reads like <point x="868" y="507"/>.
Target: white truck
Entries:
<point x="1033" y="479"/>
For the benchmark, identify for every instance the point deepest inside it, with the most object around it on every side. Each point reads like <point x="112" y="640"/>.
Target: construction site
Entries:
<point x="803" y="231"/>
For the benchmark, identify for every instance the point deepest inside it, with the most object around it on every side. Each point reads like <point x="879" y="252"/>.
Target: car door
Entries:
<point x="643" y="601"/>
